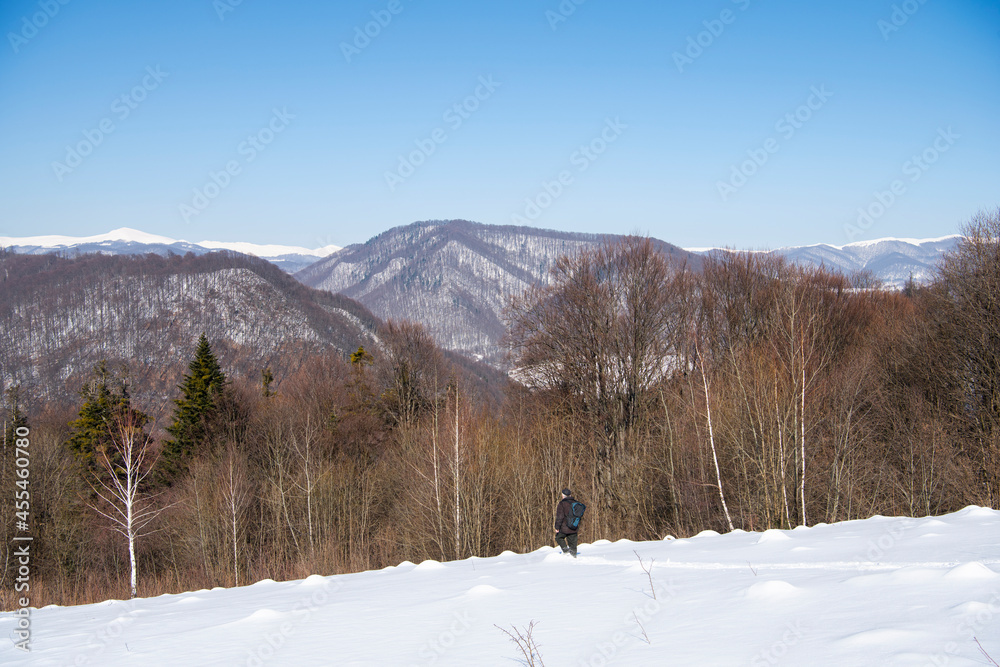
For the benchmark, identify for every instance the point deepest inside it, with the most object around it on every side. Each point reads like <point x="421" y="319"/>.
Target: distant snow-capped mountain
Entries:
<point x="892" y="261"/>
<point x="126" y="241"/>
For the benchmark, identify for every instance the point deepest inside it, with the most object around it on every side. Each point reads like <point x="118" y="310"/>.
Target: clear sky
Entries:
<point x="726" y="122"/>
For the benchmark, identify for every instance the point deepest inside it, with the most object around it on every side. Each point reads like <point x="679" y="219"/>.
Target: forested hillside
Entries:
<point x="454" y="277"/>
<point x="61" y="316"/>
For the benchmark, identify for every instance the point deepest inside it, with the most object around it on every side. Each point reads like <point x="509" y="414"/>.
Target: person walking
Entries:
<point x="566" y="535"/>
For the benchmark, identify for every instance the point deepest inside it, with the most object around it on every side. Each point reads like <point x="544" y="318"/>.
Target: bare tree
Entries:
<point x="970" y="276"/>
<point x="235" y="493"/>
<point x="121" y="493"/>
<point x="604" y="333"/>
<point x="407" y="370"/>
<point x="456" y="473"/>
<point x="303" y="444"/>
<point x="711" y="441"/>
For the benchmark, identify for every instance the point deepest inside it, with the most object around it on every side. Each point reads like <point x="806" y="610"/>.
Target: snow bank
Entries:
<point x="883" y="591"/>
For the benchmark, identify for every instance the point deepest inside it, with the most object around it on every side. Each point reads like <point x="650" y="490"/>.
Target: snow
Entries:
<point x="128" y="235"/>
<point x="865" y="244"/>
<point x="267" y="251"/>
<point x="855" y="244"/>
<point x="882" y="591"/>
<point x="51" y="241"/>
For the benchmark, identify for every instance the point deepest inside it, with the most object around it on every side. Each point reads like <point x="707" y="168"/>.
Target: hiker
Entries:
<point x="566" y="533"/>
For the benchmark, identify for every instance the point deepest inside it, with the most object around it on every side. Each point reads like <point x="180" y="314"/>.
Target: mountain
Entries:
<point x="455" y="276"/>
<point x="60" y="316"/>
<point x="878" y="591"/>
<point x="891" y="261"/>
<point x="127" y="241"/>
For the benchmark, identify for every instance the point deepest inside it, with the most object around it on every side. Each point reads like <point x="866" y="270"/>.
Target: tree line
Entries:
<point x="748" y="394"/>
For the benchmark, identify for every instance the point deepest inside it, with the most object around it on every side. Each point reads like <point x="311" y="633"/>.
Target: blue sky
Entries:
<point x="727" y="122"/>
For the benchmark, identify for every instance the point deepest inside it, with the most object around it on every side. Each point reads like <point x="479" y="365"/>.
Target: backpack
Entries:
<point x="576" y="510"/>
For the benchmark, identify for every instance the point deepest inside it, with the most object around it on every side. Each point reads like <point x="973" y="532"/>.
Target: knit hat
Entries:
<point x="567" y="492"/>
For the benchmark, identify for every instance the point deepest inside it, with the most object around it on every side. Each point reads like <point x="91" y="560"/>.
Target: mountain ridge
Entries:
<point x="61" y="316"/>
<point x="892" y="261"/>
<point x="128" y="241"/>
<point x="456" y="276"/>
<point x="453" y="276"/>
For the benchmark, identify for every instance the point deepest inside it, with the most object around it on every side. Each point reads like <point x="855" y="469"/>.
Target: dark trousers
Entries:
<point x="567" y="541"/>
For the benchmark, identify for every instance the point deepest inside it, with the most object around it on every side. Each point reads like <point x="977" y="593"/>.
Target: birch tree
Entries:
<point x="121" y="494"/>
<point x="235" y="493"/>
<point x="711" y="441"/>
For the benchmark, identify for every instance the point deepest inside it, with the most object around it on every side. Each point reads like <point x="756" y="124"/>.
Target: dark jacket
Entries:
<point x="563" y="511"/>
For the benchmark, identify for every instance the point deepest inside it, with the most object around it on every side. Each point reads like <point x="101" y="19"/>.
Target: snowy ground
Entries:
<point x="884" y="591"/>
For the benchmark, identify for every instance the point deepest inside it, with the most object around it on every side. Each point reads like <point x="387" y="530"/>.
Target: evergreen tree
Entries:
<point x="200" y="391"/>
<point x="104" y="397"/>
<point x="361" y="357"/>
<point x="266" y="378"/>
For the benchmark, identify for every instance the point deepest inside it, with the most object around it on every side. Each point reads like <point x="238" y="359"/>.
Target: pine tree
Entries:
<point x="105" y="397"/>
<point x="361" y="357"/>
<point x="200" y="390"/>
<point x="266" y="379"/>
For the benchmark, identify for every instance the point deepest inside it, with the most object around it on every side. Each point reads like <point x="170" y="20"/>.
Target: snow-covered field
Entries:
<point x="883" y="591"/>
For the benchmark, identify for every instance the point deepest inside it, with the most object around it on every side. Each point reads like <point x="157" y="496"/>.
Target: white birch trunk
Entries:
<point x="802" y="443"/>
<point x="711" y="441"/>
<point x="437" y="482"/>
<point x="457" y="477"/>
<point x="119" y="493"/>
<point x="133" y="579"/>
<point x="781" y="457"/>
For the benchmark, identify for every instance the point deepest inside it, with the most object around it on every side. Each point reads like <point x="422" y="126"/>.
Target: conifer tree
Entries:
<point x="266" y="379"/>
<point x="104" y="398"/>
<point x="200" y="390"/>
